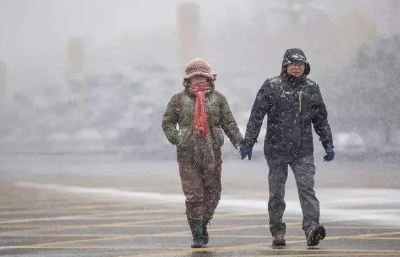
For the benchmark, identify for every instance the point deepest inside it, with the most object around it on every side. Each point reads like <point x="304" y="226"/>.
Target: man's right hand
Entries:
<point x="245" y="151"/>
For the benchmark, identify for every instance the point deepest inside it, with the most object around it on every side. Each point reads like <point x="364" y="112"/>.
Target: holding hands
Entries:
<point x="245" y="151"/>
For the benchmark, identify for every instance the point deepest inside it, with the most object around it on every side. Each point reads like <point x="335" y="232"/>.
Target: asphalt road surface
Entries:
<point x="109" y="205"/>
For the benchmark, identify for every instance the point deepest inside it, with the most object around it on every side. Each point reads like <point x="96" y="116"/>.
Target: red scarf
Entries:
<point x="200" y="114"/>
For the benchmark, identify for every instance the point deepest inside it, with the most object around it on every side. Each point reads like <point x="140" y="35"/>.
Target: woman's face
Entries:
<point x="197" y="79"/>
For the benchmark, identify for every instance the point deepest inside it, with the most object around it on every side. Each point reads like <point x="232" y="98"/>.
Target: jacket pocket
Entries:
<point x="218" y="137"/>
<point x="184" y="137"/>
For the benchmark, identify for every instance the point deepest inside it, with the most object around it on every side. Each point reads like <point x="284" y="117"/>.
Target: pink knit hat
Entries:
<point x="199" y="67"/>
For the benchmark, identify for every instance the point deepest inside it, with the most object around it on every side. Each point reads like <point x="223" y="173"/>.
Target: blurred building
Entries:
<point x="75" y="56"/>
<point x="189" y="28"/>
<point x="3" y="81"/>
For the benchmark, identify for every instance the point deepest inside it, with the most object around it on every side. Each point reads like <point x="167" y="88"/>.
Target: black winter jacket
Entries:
<point x="291" y="105"/>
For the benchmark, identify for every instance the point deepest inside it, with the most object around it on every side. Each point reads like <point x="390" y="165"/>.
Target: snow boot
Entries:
<point x="206" y="221"/>
<point x="196" y="226"/>
<point x="278" y="240"/>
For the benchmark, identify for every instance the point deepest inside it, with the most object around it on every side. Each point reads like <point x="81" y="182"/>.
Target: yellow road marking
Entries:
<point x="291" y="252"/>
<point x="356" y="227"/>
<point x="185" y="234"/>
<point x="220" y="248"/>
<point x="176" y="234"/>
<point x="379" y="234"/>
<point x="167" y="234"/>
<point x="138" y="235"/>
<point x="69" y="207"/>
<point x="93" y="211"/>
<point x="58" y="227"/>
<point x="39" y="227"/>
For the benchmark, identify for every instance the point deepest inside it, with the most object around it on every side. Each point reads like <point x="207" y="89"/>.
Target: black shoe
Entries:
<point x="278" y="240"/>
<point x="196" y="226"/>
<point x="315" y="234"/>
<point x="206" y="221"/>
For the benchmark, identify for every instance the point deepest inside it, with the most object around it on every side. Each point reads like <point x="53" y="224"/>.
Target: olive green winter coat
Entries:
<point x="180" y="111"/>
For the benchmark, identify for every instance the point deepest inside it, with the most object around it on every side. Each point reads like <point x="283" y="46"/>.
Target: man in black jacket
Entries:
<point x="292" y="103"/>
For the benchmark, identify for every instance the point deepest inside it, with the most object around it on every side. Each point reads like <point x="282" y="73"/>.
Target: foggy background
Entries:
<point x="96" y="75"/>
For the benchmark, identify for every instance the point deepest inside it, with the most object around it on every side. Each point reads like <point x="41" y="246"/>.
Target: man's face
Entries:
<point x="198" y="79"/>
<point x="296" y="69"/>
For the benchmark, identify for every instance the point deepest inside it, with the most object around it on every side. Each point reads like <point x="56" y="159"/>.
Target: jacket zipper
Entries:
<point x="300" y="104"/>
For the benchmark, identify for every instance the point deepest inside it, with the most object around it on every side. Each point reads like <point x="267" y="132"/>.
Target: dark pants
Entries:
<point x="202" y="188"/>
<point x="304" y="171"/>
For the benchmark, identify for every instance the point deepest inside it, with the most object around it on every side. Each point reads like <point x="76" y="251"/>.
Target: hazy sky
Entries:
<point x="34" y="33"/>
<point x="24" y="22"/>
<point x="27" y="25"/>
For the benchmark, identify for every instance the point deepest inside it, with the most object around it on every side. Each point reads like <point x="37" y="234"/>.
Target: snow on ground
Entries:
<point x="376" y="206"/>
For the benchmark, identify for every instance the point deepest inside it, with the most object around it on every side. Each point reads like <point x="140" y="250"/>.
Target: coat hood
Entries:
<point x="295" y="55"/>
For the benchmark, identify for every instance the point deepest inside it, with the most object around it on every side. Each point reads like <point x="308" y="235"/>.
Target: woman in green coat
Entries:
<point x="203" y="116"/>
